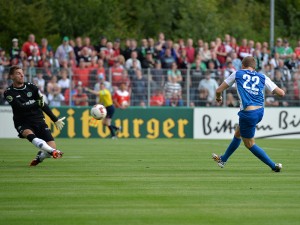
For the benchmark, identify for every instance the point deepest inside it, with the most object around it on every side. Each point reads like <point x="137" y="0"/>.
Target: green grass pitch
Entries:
<point x="143" y="182"/>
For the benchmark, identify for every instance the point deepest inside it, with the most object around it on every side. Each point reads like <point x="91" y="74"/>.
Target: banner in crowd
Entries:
<point x="219" y="123"/>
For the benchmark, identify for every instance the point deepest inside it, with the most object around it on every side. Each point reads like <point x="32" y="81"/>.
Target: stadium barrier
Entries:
<point x="164" y="122"/>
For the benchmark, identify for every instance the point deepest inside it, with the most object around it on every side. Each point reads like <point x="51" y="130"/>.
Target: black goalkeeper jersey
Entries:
<point x="23" y="101"/>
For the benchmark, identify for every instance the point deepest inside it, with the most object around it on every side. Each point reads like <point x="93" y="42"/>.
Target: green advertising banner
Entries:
<point x="148" y="123"/>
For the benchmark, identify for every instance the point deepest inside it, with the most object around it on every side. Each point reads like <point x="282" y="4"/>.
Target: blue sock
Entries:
<point x="235" y="143"/>
<point x="260" y="153"/>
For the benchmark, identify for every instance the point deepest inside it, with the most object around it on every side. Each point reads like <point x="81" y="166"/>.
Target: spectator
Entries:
<point x="167" y="60"/>
<point x="278" y="48"/>
<point x="296" y="88"/>
<point x="4" y="61"/>
<point x="15" y="49"/>
<point x="234" y="46"/>
<point x="200" y="46"/>
<point x="274" y="62"/>
<point x="139" y="89"/>
<point x="182" y="60"/>
<point x="211" y="86"/>
<point x="69" y="93"/>
<point x="229" y="69"/>
<point x="121" y="97"/>
<point x="52" y="84"/>
<point x="190" y="51"/>
<point x="64" y="82"/>
<point x="30" y="45"/>
<point x="88" y="45"/>
<point x="5" y="82"/>
<point x="158" y="75"/>
<point x="173" y="91"/>
<point x="244" y="49"/>
<point x="45" y="48"/>
<point x="174" y="72"/>
<point x="53" y="62"/>
<point x="236" y="62"/>
<point x="102" y="44"/>
<point x="62" y="52"/>
<point x="77" y="49"/>
<point x="116" y="73"/>
<point x="80" y="98"/>
<point x="227" y="44"/>
<point x="142" y="51"/>
<point x="82" y="73"/>
<point x="287" y="52"/>
<point x="278" y="80"/>
<point x="134" y="57"/>
<point x="292" y="64"/>
<point x="148" y="62"/>
<point x="151" y="48"/>
<point x="55" y="96"/>
<point x="109" y="53"/>
<point x="116" y="48"/>
<point x="85" y="56"/>
<point x="39" y="81"/>
<point x="157" y="99"/>
<point x="35" y="57"/>
<point x="205" y="53"/>
<point x="297" y="50"/>
<point x="221" y="52"/>
<point x="231" y="101"/>
<point x="264" y="56"/>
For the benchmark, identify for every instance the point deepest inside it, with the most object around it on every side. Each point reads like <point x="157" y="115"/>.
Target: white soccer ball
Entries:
<point x="98" y="112"/>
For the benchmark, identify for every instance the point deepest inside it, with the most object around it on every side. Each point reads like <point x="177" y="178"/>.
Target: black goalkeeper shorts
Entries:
<point x="40" y="129"/>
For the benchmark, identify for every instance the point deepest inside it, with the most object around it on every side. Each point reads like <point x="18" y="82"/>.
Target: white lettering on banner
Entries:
<point x="219" y="123"/>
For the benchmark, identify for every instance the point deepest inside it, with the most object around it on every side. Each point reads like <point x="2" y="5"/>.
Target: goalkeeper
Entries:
<point x="28" y="106"/>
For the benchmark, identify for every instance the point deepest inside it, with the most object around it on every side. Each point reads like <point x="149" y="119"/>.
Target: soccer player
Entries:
<point x="28" y="106"/>
<point x="250" y="87"/>
<point x="106" y="100"/>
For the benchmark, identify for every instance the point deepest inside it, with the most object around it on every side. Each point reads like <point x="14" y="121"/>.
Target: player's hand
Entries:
<point x="41" y="102"/>
<point x="60" y="123"/>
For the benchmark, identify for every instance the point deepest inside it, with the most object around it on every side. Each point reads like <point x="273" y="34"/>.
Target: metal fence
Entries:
<point x="148" y="87"/>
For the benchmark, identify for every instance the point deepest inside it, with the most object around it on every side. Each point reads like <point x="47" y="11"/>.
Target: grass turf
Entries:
<point x="141" y="182"/>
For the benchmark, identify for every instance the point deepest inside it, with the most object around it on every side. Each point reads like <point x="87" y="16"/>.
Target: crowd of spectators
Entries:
<point x="177" y="73"/>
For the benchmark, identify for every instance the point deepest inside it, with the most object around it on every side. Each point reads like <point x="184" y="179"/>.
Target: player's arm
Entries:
<point x="91" y="91"/>
<point x="226" y="84"/>
<point x="272" y="87"/>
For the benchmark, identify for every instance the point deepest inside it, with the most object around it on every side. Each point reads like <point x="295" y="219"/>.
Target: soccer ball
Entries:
<point x="98" y="112"/>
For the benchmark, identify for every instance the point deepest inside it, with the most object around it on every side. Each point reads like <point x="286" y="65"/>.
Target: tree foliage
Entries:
<point x="140" y="18"/>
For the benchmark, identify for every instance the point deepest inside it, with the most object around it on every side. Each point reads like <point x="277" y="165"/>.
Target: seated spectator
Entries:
<point x="210" y="85"/>
<point x="236" y="62"/>
<point x="121" y="97"/>
<point x="52" y="84"/>
<point x="138" y="89"/>
<point x="55" y="96"/>
<point x="205" y="53"/>
<point x="203" y="95"/>
<point x="69" y="93"/>
<point x="278" y="80"/>
<point x="80" y="98"/>
<point x="116" y="73"/>
<point x="45" y="48"/>
<point x="85" y="56"/>
<point x="172" y="92"/>
<point x="229" y="69"/>
<point x="158" y="75"/>
<point x="174" y="72"/>
<point x="157" y="99"/>
<point x="167" y="59"/>
<point x="62" y="52"/>
<point x="148" y="61"/>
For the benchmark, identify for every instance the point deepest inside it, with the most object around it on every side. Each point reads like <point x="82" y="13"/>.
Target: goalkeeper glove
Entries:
<point x="60" y="123"/>
<point x="41" y="102"/>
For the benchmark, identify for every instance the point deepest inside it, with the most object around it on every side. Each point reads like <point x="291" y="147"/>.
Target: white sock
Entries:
<point x="41" y="144"/>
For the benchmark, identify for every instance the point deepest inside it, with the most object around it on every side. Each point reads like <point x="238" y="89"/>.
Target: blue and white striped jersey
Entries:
<point x="250" y="87"/>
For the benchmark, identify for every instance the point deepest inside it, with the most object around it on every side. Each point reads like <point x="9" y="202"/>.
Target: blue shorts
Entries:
<point x="110" y="111"/>
<point x="248" y="121"/>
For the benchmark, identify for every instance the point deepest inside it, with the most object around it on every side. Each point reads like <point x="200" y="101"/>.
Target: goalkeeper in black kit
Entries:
<point x="28" y="106"/>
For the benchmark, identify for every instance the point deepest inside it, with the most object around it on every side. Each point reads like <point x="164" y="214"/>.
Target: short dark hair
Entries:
<point x="249" y="61"/>
<point x="13" y="69"/>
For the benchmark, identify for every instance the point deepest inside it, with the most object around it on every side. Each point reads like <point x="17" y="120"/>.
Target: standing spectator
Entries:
<point x="264" y="56"/>
<point x="205" y="53"/>
<point x="109" y="53"/>
<point x="244" y="49"/>
<point x="102" y="44"/>
<point x="292" y="64"/>
<point x="142" y="51"/>
<point x="85" y="56"/>
<point x="117" y="48"/>
<point x="134" y="57"/>
<point x="221" y="52"/>
<point x="62" y="52"/>
<point x="234" y="46"/>
<point x="227" y="44"/>
<point x="190" y="51"/>
<point x="80" y="98"/>
<point x="87" y="44"/>
<point x="139" y="89"/>
<point x="297" y="50"/>
<point x="173" y="93"/>
<point x="158" y="75"/>
<point x="53" y="63"/>
<point x="35" y="57"/>
<point x="151" y="48"/>
<point x="148" y="62"/>
<point x="15" y="49"/>
<point x="77" y="49"/>
<point x="236" y="62"/>
<point x="167" y="59"/>
<point x="278" y="48"/>
<point x="121" y="97"/>
<point x="211" y="86"/>
<point x="200" y="46"/>
<point x="132" y="46"/>
<point x="29" y="45"/>
<point x="45" y="48"/>
<point x="274" y="62"/>
<point x="116" y="73"/>
<point x="287" y="52"/>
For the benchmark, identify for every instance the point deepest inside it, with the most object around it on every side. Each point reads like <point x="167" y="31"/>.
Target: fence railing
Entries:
<point x="147" y="87"/>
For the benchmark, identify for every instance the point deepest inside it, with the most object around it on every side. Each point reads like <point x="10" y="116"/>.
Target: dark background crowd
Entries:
<point x="155" y="72"/>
